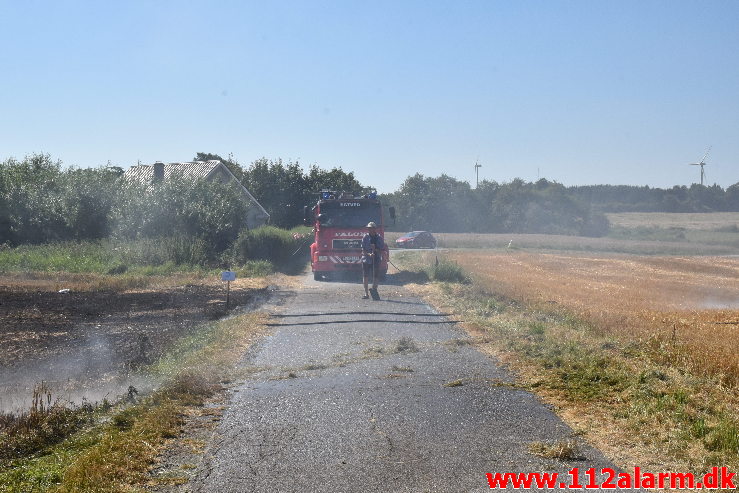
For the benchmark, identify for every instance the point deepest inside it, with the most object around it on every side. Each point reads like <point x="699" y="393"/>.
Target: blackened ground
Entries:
<point x="89" y="343"/>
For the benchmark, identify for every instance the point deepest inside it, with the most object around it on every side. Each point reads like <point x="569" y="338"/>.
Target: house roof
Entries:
<point x="195" y="169"/>
<point x="144" y="173"/>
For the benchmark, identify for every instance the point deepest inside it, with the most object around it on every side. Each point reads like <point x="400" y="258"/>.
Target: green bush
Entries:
<point x="147" y="256"/>
<point x="447" y="271"/>
<point x="279" y="246"/>
<point x="212" y="213"/>
<point x="255" y="268"/>
<point x="40" y="202"/>
<point x="178" y="250"/>
<point x="77" y="257"/>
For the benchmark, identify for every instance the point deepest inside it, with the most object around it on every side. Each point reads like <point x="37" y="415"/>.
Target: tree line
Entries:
<point x="41" y="201"/>
<point x="695" y="198"/>
<point x="445" y="204"/>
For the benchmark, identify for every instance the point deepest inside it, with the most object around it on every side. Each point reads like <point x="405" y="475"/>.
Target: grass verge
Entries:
<point x="117" y="452"/>
<point x="618" y="393"/>
<point x="143" y="258"/>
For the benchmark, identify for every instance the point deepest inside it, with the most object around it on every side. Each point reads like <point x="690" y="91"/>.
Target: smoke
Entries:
<point x="103" y="353"/>
<point x="711" y="298"/>
<point x="102" y="367"/>
<point x="719" y="304"/>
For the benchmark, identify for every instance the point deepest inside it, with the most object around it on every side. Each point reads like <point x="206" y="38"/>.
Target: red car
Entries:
<point x="416" y="239"/>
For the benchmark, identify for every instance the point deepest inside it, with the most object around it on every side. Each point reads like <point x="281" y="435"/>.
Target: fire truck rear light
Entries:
<point x="322" y="258"/>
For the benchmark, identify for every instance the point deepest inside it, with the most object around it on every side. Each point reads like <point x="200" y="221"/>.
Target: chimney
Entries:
<point x="158" y="171"/>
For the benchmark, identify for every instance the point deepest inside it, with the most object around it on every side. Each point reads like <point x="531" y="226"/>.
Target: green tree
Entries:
<point x="441" y="204"/>
<point x="413" y="204"/>
<point x="41" y="202"/>
<point x="545" y="207"/>
<point x="732" y="197"/>
<point x="706" y="199"/>
<point x="334" y="179"/>
<point x="31" y="195"/>
<point x="231" y="163"/>
<point x="284" y="189"/>
<point x="485" y="194"/>
<point x="87" y="199"/>
<point x="211" y="211"/>
<point x="280" y="187"/>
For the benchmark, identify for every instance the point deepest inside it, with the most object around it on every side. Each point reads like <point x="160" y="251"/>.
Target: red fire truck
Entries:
<point x="339" y="222"/>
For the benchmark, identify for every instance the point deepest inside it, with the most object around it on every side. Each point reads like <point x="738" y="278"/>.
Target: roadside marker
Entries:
<point x="228" y="276"/>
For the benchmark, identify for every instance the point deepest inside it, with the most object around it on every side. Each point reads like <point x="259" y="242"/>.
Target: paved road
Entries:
<point x="353" y="395"/>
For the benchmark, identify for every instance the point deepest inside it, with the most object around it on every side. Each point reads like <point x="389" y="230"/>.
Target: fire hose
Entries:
<point x="301" y="246"/>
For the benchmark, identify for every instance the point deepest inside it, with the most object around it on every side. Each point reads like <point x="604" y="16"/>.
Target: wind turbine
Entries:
<point x="702" y="163"/>
<point x="477" y="174"/>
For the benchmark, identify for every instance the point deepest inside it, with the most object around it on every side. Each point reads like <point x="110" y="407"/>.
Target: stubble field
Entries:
<point x="659" y="278"/>
<point x="634" y="341"/>
<point x="691" y="303"/>
<point x="713" y="221"/>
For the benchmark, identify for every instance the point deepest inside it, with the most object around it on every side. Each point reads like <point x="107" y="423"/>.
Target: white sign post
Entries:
<point x="228" y="276"/>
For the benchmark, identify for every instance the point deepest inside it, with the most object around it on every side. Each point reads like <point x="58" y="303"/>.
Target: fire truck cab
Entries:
<point x="339" y="221"/>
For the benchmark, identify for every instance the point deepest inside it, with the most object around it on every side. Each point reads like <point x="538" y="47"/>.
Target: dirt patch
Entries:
<point x="88" y="344"/>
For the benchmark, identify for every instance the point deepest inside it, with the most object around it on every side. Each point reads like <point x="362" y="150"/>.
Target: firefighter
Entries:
<point x="372" y="248"/>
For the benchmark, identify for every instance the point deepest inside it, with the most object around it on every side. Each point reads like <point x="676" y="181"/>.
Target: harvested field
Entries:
<point x="707" y="221"/>
<point x="540" y="242"/>
<point x="88" y="342"/>
<point x="690" y="304"/>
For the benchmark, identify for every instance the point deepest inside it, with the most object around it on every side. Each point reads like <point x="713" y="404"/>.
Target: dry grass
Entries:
<point x="122" y="457"/>
<point x="710" y="221"/>
<point x="405" y="345"/>
<point x="563" y="450"/>
<point x="686" y="308"/>
<point x="593" y="336"/>
<point x="541" y="242"/>
<point x="43" y="281"/>
<point x="47" y="422"/>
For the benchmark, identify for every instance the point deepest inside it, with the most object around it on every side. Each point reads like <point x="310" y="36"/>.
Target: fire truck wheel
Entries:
<point x="317" y="276"/>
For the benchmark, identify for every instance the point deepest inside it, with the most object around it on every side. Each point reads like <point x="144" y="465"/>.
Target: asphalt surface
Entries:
<point x="353" y="395"/>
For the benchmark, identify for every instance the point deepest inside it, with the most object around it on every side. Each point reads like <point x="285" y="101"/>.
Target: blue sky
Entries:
<point x="581" y="92"/>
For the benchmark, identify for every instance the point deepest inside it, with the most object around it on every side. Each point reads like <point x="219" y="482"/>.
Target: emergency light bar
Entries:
<point x="333" y="195"/>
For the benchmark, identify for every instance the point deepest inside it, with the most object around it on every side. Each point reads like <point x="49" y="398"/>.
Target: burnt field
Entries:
<point x="88" y="343"/>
